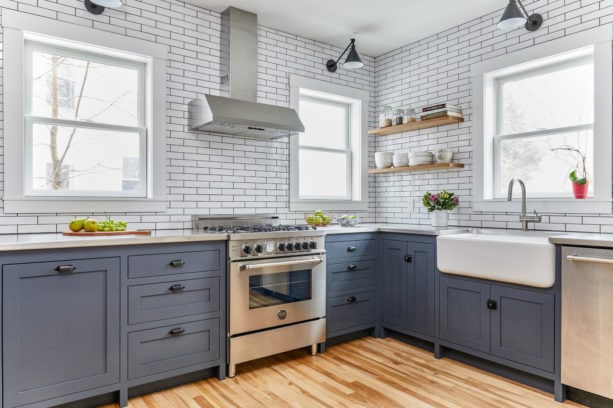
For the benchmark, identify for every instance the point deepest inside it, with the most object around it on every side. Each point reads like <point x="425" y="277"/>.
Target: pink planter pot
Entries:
<point x="580" y="190"/>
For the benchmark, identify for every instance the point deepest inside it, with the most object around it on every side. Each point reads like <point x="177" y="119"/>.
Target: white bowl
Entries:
<point x="383" y="164"/>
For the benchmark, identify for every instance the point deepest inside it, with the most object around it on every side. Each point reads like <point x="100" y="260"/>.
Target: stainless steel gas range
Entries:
<point x="277" y="286"/>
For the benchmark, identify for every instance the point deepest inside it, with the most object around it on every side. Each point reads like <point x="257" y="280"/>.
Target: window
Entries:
<point x="328" y="160"/>
<point x="537" y="110"/>
<point x="532" y="101"/>
<point x="84" y="117"/>
<point x="86" y="131"/>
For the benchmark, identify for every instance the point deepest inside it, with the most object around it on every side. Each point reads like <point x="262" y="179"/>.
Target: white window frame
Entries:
<point x="21" y="27"/>
<point x="357" y="100"/>
<point x="32" y="46"/>
<point x="484" y="123"/>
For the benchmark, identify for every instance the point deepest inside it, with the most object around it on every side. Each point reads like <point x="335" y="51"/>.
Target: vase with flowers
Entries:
<point x="578" y="179"/>
<point x="439" y="205"/>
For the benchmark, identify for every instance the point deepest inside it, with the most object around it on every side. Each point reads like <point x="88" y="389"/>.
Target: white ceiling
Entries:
<point x="379" y="26"/>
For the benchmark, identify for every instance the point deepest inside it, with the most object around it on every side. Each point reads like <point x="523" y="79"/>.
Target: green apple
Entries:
<point x="319" y="213"/>
<point x="76" y="225"/>
<point x="90" y="225"/>
<point x="317" y="220"/>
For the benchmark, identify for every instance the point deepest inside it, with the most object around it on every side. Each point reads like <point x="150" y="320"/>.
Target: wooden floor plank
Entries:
<point x="366" y="372"/>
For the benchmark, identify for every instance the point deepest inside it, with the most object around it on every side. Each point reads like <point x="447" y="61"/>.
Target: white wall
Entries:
<point x="436" y="69"/>
<point x="207" y="174"/>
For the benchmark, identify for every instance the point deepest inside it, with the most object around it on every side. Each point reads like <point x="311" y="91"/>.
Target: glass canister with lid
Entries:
<point x="385" y="117"/>
<point x="398" y="117"/>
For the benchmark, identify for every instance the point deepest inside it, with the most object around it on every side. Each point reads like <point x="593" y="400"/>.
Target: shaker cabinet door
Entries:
<point x="464" y="316"/>
<point x="60" y="328"/>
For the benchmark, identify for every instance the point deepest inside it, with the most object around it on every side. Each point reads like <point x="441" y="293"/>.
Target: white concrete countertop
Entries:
<point x="25" y="242"/>
<point x="29" y="242"/>
<point x="399" y="228"/>
<point x="584" y="239"/>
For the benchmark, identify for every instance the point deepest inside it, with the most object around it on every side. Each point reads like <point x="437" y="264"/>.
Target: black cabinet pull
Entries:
<point x="351" y="249"/>
<point x="177" y="262"/>
<point x="177" y="288"/>
<point x="408" y="258"/>
<point x="352" y="267"/>
<point x="492" y="304"/>
<point x="177" y="331"/>
<point x="66" y="268"/>
<point x="351" y="299"/>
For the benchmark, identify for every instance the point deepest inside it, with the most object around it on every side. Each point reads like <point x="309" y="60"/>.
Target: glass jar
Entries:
<point x="385" y="117"/>
<point x="410" y="115"/>
<point x="398" y="117"/>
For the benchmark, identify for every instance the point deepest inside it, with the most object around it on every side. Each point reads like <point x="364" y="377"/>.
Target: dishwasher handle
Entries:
<point x="589" y="259"/>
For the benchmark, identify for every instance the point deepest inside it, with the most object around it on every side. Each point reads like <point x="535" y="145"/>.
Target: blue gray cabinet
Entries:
<point x="407" y="270"/>
<point x="505" y="321"/>
<point x="81" y="323"/>
<point x="351" y="283"/>
<point x="60" y="328"/>
<point x="176" y="310"/>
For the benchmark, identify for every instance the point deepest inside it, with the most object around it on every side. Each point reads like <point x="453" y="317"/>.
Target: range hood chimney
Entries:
<point x="240" y="114"/>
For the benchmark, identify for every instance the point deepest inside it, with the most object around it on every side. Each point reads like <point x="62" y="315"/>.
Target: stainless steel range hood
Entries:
<point x="240" y="114"/>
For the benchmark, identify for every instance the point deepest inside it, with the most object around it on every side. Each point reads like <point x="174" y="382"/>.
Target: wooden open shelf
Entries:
<point x="421" y="167"/>
<point x="423" y="124"/>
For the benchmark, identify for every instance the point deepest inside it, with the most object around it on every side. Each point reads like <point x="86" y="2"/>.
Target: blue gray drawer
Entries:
<point x="351" y="276"/>
<point x="168" y="300"/>
<point x="158" y="350"/>
<point x="140" y="266"/>
<point x="351" y="311"/>
<point x="351" y="249"/>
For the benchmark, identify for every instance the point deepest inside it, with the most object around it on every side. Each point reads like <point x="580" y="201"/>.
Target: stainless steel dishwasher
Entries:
<point x="587" y="319"/>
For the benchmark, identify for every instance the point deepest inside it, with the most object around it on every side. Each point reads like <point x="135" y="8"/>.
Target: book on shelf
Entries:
<point x="441" y="115"/>
<point x="441" y="110"/>
<point x="439" y="106"/>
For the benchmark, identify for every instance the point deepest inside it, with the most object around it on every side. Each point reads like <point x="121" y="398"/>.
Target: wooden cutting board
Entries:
<point x="104" y="233"/>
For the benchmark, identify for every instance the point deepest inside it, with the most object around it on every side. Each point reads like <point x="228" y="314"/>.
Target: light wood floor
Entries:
<point x="363" y="373"/>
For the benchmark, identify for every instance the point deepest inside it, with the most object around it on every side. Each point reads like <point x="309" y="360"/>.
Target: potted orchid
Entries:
<point x="579" y="180"/>
<point x="439" y="205"/>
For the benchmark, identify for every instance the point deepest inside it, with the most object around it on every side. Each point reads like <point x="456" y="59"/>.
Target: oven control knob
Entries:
<point x="289" y="246"/>
<point x="305" y="245"/>
<point x="297" y="246"/>
<point x="258" y="249"/>
<point x="281" y="247"/>
<point x="246" y="249"/>
<point x="313" y="245"/>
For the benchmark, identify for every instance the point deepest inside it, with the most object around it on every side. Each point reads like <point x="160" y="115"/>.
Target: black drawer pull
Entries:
<point x="177" y="288"/>
<point x="408" y="258"/>
<point x="352" y="267"/>
<point x="66" y="268"/>
<point x="177" y="262"/>
<point x="352" y="299"/>
<point x="351" y="249"/>
<point x="492" y="304"/>
<point x="177" y="332"/>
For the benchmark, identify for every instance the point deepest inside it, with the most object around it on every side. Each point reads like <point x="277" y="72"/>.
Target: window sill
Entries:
<point x="47" y="205"/>
<point x="312" y="205"/>
<point x="560" y="205"/>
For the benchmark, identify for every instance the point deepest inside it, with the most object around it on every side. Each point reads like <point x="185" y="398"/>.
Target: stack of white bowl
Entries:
<point x="416" y="158"/>
<point x="383" y="160"/>
<point x="400" y="159"/>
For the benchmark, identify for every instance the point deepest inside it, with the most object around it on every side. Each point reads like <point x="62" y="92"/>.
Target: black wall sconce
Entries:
<point x="353" y="60"/>
<point x="513" y="17"/>
<point x="98" y="6"/>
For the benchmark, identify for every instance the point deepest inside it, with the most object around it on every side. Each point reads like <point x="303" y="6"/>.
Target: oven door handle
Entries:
<point x="312" y="261"/>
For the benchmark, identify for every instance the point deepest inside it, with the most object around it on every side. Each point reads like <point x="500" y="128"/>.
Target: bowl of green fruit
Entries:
<point x="318" y="219"/>
<point x="348" y="220"/>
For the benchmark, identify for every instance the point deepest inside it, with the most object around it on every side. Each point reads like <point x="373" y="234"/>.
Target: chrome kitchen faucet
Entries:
<point x="523" y="217"/>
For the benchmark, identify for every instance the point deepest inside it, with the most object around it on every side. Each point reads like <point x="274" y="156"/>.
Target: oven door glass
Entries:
<point x="279" y="288"/>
